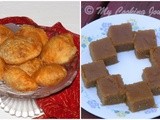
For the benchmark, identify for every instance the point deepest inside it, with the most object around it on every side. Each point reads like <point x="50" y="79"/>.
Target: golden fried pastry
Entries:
<point x="2" y="68"/>
<point x="19" y="49"/>
<point x="5" y="33"/>
<point x="50" y="75"/>
<point x="33" y="32"/>
<point x="31" y="66"/>
<point x="19" y="80"/>
<point x="59" y="49"/>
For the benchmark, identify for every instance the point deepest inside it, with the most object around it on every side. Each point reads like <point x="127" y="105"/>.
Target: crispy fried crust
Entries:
<point x="31" y="66"/>
<point x="5" y="33"/>
<point x="50" y="75"/>
<point x="33" y="32"/>
<point x="19" y="80"/>
<point x="59" y="49"/>
<point x="2" y="68"/>
<point x="19" y="49"/>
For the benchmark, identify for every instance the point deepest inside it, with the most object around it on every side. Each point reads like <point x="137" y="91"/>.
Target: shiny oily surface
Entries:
<point x="71" y="68"/>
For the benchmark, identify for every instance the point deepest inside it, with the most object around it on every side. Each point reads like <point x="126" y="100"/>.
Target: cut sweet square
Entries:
<point x="111" y="90"/>
<point x="121" y="37"/>
<point x="155" y="56"/>
<point x="144" y="41"/>
<point x="151" y="75"/>
<point x="139" y="96"/>
<point x="91" y="72"/>
<point x="103" y="50"/>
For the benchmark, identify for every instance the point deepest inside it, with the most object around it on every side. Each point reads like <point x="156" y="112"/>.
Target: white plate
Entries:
<point x="129" y="66"/>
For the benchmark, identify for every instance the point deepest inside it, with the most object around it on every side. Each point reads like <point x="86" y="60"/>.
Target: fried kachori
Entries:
<point x="19" y="49"/>
<point x="33" y="32"/>
<point x="5" y="33"/>
<point x="31" y="66"/>
<point x="50" y="75"/>
<point x="59" y="49"/>
<point x="19" y="80"/>
<point x="2" y="68"/>
<point x="28" y="59"/>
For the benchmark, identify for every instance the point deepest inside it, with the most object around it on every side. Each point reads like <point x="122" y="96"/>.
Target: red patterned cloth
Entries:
<point x="66" y="103"/>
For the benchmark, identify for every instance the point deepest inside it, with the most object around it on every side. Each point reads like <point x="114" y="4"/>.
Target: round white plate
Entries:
<point x="129" y="66"/>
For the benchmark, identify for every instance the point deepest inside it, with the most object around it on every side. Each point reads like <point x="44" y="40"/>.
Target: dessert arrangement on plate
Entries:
<point x="110" y="88"/>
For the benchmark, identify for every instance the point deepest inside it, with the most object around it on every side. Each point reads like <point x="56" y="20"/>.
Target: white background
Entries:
<point x="43" y="13"/>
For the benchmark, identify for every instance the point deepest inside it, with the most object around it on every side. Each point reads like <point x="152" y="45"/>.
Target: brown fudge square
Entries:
<point x="92" y="72"/>
<point x="103" y="50"/>
<point x="111" y="90"/>
<point x="144" y="41"/>
<point x="121" y="37"/>
<point x="155" y="56"/>
<point x="139" y="96"/>
<point x="151" y="75"/>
